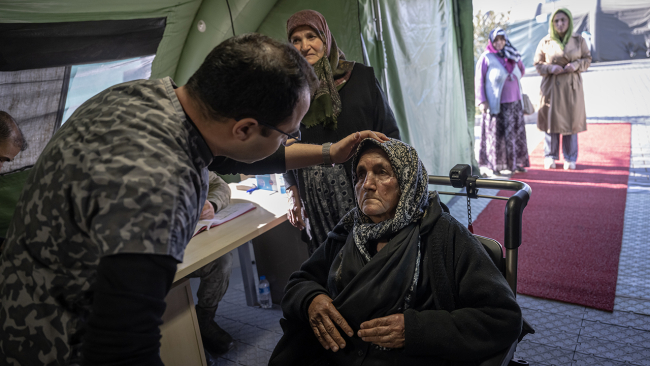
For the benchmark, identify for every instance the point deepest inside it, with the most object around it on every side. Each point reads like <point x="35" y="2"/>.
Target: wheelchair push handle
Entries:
<point x="460" y="176"/>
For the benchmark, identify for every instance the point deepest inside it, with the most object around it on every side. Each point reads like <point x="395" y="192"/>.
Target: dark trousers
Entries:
<point x="569" y="146"/>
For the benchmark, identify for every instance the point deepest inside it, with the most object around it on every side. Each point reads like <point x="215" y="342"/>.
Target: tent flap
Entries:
<point x="76" y="43"/>
<point x="178" y="14"/>
<point x="424" y="78"/>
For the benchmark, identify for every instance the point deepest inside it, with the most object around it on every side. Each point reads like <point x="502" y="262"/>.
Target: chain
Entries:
<point x="469" y="212"/>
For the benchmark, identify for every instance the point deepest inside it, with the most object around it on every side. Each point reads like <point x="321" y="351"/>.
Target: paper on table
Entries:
<point x="227" y="214"/>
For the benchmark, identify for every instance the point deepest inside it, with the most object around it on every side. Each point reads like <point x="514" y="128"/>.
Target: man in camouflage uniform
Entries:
<point x="111" y="203"/>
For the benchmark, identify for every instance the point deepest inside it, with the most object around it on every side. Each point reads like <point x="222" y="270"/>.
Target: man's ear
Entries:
<point x="245" y="128"/>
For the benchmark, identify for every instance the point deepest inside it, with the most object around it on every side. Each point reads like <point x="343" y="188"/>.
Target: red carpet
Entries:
<point x="573" y="224"/>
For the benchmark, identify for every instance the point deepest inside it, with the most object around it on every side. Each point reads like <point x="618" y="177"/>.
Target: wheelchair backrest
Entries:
<point x="495" y="251"/>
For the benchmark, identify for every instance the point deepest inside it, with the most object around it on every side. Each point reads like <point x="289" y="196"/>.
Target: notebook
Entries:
<point x="225" y="215"/>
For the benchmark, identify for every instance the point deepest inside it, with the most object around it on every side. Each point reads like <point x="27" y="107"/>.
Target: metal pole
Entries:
<point x="380" y="39"/>
<point x="511" y="268"/>
<point x="249" y="272"/>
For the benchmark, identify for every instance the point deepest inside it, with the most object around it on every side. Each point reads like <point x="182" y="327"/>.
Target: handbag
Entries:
<point x="528" y="106"/>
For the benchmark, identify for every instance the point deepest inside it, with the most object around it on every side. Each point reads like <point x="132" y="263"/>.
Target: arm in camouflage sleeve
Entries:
<point x="218" y="192"/>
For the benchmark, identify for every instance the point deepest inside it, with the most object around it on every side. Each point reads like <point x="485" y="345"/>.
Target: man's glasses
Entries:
<point x="294" y="138"/>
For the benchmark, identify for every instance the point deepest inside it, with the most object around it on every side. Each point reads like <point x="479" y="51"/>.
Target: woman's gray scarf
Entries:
<point x="359" y="283"/>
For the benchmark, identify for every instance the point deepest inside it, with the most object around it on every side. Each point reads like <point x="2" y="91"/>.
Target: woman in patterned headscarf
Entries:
<point x="398" y="281"/>
<point x="561" y="58"/>
<point x="349" y="99"/>
<point x="503" y="148"/>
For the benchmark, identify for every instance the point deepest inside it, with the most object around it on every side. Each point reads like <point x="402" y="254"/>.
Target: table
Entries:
<point x="181" y="340"/>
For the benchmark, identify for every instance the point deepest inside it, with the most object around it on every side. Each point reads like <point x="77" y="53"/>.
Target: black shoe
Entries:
<point x="216" y="340"/>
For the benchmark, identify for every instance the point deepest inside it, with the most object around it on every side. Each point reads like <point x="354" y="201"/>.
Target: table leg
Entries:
<point x="249" y="272"/>
<point x="181" y="344"/>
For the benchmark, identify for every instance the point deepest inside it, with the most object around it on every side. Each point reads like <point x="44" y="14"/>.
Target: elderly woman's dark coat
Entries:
<point x="461" y="311"/>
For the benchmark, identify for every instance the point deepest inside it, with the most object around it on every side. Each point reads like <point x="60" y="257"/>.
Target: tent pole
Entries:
<point x="380" y="38"/>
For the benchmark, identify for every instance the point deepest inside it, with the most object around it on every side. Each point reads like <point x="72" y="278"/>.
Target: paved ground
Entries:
<point x="566" y="334"/>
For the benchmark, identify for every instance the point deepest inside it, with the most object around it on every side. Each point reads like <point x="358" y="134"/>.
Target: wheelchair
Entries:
<point x="460" y="176"/>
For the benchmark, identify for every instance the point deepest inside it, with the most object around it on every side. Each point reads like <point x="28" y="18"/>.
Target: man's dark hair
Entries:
<point x="252" y="76"/>
<point x="9" y="131"/>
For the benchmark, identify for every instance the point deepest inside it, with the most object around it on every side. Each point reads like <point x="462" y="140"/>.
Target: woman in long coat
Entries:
<point x="560" y="58"/>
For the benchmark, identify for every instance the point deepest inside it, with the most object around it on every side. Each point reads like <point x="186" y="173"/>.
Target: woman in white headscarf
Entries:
<point x="503" y="148"/>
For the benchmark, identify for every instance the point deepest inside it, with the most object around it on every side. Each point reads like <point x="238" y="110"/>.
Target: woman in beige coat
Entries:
<point x="561" y="57"/>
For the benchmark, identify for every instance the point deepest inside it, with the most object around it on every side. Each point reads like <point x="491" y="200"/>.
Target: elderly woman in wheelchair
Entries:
<point x="398" y="281"/>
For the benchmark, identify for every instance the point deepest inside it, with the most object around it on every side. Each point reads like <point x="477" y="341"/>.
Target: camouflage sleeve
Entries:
<point x="218" y="192"/>
<point x="148" y="209"/>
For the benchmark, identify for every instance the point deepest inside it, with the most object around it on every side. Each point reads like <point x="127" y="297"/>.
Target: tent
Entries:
<point x="56" y="54"/>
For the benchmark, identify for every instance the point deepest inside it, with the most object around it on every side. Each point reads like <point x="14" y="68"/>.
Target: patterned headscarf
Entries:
<point x="509" y="52"/>
<point x="332" y="71"/>
<point x="554" y="34"/>
<point x="413" y="202"/>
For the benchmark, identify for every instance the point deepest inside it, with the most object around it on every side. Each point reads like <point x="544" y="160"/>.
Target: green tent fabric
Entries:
<point x="10" y="187"/>
<point x="465" y="37"/>
<point x="247" y="15"/>
<point x="267" y="17"/>
<point x="179" y="14"/>
<point x="425" y="84"/>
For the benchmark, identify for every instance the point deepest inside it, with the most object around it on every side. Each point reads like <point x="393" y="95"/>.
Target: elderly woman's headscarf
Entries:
<point x="332" y="71"/>
<point x="554" y="34"/>
<point x="509" y="53"/>
<point x="414" y="198"/>
<point x="366" y="287"/>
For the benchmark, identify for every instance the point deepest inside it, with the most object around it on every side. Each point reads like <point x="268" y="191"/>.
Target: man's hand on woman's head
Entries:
<point x="343" y="150"/>
<point x="385" y="332"/>
<point x="323" y="318"/>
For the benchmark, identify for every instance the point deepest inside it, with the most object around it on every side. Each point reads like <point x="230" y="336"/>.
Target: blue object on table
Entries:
<point x="250" y="191"/>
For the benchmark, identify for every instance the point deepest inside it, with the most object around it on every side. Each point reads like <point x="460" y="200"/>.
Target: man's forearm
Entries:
<point x="128" y="303"/>
<point x="303" y="155"/>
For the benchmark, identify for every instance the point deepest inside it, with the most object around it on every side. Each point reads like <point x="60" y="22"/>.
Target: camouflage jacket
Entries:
<point x="218" y="192"/>
<point x="125" y="174"/>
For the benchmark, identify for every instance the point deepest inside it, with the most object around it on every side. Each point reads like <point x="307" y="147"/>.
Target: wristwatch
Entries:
<point x="327" y="158"/>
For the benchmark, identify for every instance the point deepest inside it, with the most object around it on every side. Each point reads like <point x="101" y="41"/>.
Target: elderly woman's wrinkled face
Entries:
<point x="561" y="22"/>
<point x="376" y="186"/>
<point x="307" y="41"/>
<point x="499" y="42"/>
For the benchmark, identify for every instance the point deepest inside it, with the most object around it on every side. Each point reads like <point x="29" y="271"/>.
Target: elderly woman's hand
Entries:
<point x="385" y="332"/>
<point x="296" y="212"/>
<point x="343" y="150"/>
<point x="483" y="107"/>
<point x="569" y="68"/>
<point x="556" y="69"/>
<point x="322" y="317"/>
